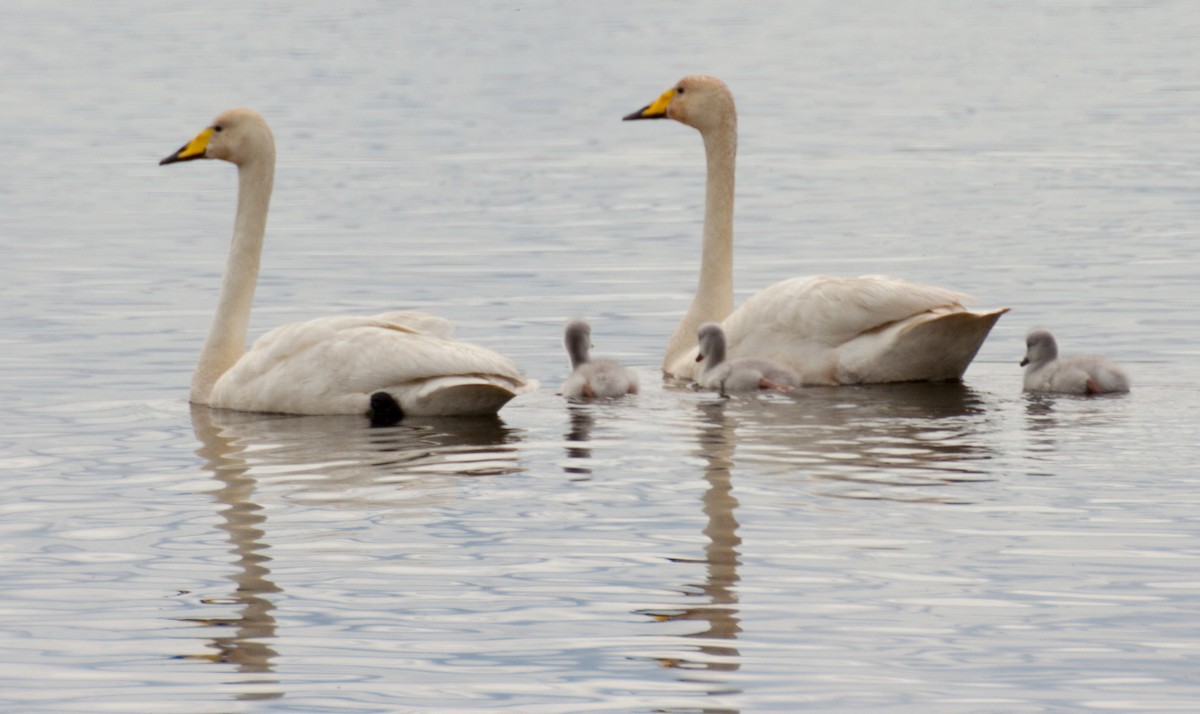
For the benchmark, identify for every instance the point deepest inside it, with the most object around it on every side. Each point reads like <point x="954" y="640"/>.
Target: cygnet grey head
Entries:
<point x="712" y="345"/>
<point x="578" y="341"/>
<point x="1040" y="347"/>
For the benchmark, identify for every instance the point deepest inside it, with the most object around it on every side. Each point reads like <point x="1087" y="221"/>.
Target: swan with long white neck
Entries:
<point x="331" y="365"/>
<point x="830" y="330"/>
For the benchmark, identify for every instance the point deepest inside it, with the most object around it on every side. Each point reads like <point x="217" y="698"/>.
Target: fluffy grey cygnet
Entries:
<point x="1045" y="371"/>
<point x="591" y="378"/>
<point x="739" y="375"/>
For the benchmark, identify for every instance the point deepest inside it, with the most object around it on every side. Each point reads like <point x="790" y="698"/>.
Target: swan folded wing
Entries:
<point x="829" y="329"/>
<point x="333" y="365"/>
<point x="834" y="310"/>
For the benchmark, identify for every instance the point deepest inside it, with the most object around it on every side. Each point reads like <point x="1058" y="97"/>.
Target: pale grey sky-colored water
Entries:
<point x="943" y="549"/>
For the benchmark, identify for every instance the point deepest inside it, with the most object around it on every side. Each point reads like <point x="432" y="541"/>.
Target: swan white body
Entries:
<point x="593" y="377"/>
<point x="829" y="330"/>
<point x="1045" y="371"/>
<point x="329" y="365"/>
<point x="747" y="374"/>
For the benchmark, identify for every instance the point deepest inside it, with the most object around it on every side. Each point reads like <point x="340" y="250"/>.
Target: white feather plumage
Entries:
<point x="830" y="330"/>
<point x="329" y="365"/>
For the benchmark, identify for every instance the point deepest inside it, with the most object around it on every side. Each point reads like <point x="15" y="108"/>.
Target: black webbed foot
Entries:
<point x="385" y="410"/>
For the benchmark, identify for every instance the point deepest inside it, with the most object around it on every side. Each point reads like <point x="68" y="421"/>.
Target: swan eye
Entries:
<point x="679" y="90"/>
<point x="218" y="128"/>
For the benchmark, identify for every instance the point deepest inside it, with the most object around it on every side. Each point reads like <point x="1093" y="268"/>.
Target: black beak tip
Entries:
<point x="639" y="114"/>
<point x="176" y="158"/>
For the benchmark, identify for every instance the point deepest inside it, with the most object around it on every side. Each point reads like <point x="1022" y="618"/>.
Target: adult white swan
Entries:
<point x="390" y="364"/>
<point x="829" y="330"/>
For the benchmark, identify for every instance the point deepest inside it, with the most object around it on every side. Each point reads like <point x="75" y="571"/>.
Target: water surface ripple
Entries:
<point x="933" y="548"/>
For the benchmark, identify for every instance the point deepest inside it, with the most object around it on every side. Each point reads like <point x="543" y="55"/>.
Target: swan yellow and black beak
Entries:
<point x="192" y="150"/>
<point x="657" y="110"/>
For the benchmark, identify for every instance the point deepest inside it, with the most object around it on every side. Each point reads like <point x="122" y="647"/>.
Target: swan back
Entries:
<point x="1045" y="371"/>
<point x="333" y="365"/>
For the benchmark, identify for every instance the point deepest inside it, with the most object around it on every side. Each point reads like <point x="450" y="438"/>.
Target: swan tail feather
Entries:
<point x="462" y="396"/>
<point x="942" y="348"/>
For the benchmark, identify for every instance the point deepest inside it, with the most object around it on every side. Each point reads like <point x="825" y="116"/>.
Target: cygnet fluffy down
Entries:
<point x="592" y="378"/>
<point x="1045" y="371"/>
<point x="739" y="375"/>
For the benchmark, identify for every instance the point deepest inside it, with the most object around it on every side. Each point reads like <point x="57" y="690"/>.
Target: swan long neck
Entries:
<point x="226" y="341"/>
<point x="714" y="292"/>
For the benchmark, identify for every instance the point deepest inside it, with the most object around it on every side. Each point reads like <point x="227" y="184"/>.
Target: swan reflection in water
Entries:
<point x="334" y="461"/>
<point x="715" y="599"/>
<point x="583" y="420"/>
<point x="341" y="462"/>
<point x="881" y="442"/>
<point x="896" y="442"/>
<point x="243" y="639"/>
<point x="1051" y="418"/>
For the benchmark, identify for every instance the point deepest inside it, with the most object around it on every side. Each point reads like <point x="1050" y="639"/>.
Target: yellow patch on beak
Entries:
<point x="194" y="149"/>
<point x="657" y="110"/>
<point x="659" y="107"/>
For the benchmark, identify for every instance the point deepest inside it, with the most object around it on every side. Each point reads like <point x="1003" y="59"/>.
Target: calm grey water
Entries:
<point x="952" y="548"/>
